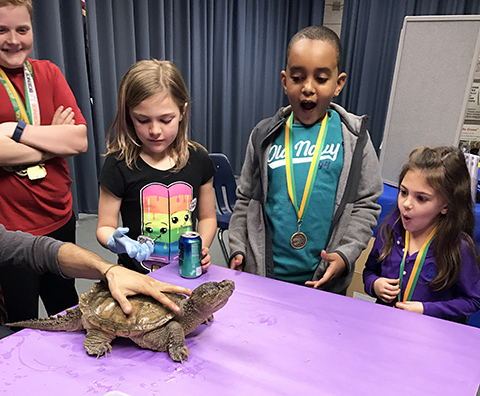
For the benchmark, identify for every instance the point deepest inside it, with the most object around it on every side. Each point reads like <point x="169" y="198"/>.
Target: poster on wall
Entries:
<point x="471" y="132"/>
<point x="471" y="127"/>
<point x="473" y="107"/>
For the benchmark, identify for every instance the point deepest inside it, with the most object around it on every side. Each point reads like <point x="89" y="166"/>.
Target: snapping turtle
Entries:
<point x="150" y="325"/>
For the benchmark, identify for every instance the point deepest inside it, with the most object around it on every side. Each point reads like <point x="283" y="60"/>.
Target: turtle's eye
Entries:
<point x="163" y="230"/>
<point x="186" y="217"/>
<point x="149" y="229"/>
<point x="174" y="220"/>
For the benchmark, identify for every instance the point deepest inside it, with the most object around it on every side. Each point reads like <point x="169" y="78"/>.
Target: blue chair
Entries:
<point x="474" y="320"/>
<point x="225" y="187"/>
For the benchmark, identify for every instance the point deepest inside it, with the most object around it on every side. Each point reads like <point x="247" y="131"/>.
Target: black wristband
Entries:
<point x="19" y="130"/>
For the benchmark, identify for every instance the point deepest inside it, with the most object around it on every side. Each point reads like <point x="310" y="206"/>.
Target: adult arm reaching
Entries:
<point x="76" y="262"/>
<point x="44" y="254"/>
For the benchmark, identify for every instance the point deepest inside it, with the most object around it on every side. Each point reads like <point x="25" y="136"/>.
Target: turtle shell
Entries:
<point x="101" y="310"/>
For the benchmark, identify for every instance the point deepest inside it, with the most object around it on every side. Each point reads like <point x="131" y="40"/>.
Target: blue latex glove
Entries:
<point x="118" y="243"/>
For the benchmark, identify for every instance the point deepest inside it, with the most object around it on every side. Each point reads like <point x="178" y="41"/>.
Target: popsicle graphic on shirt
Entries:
<point x="166" y="213"/>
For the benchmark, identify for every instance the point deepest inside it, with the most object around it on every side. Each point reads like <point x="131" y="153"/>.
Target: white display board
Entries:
<point x="436" y="61"/>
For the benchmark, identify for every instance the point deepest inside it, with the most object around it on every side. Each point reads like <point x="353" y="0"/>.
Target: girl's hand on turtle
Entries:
<point x="123" y="282"/>
<point x="205" y="258"/>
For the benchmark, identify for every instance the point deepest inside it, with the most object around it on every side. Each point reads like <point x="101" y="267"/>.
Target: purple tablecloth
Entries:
<point x="272" y="338"/>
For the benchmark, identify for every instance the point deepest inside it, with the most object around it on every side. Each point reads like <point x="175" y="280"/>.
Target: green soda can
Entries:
<point x="189" y="254"/>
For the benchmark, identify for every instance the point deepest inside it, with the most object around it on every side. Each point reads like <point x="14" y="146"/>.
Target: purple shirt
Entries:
<point x="462" y="299"/>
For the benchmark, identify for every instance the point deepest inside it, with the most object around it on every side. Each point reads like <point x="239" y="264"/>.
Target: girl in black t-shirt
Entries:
<point x="160" y="182"/>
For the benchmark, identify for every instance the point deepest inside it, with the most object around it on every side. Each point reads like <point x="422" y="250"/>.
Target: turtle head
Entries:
<point x="211" y="296"/>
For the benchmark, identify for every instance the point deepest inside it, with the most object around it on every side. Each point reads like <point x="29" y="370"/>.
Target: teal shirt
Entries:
<point x="292" y="265"/>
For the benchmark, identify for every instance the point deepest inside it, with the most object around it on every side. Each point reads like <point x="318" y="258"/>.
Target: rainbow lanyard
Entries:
<point x="30" y="114"/>
<point x="312" y="172"/>
<point x="417" y="268"/>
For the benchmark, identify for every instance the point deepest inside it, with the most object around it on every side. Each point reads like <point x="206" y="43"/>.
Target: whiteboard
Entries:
<point x="436" y="61"/>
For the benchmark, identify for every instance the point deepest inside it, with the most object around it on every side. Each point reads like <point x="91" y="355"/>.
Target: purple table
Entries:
<point x="272" y="338"/>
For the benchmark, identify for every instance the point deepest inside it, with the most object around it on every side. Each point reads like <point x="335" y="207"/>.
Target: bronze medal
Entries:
<point x="298" y="240"/>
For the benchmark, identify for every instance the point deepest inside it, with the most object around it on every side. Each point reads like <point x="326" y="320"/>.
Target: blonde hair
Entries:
<point x="19" y="3"/>
<point x="143" y="80"/>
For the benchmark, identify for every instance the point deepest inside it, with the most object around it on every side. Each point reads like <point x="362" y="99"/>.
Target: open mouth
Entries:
<point x="307" y="105"/>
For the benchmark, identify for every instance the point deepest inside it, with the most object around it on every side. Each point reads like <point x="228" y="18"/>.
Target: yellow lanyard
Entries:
<point x="19" y="108"/>
<point x="311" y="172"/>
<point x="31" y="113"/>
<point x="417" y="268"/>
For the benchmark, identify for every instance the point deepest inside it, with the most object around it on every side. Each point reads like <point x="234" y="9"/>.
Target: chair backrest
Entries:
<point x="474" y="320"/>
<point x="224" y="183"/>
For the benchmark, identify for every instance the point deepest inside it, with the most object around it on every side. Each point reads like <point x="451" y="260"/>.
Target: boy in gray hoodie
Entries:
<point x="307" y="194"/>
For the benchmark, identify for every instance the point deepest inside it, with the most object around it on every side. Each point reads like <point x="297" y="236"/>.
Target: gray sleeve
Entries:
<point x="237" y="229"/>
<point x="38" y="253"/>
<point x="356" y="229"/>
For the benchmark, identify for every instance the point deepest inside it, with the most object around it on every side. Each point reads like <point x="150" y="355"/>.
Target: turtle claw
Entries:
<point x="179" y="354"/>
<point x="106" y="351"/>
<point x="208" y="320"/>
<point x="99" y="350"/>
<point x="97" y="342"/>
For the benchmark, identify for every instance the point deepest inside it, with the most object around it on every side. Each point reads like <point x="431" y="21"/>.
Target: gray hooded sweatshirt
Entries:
<point x="355" y="211"/>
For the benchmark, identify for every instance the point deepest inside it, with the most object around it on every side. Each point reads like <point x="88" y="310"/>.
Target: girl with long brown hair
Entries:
<point x="424" y="259"/>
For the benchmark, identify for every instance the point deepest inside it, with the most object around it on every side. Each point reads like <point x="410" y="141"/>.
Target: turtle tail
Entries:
<point x="71" y="321"/>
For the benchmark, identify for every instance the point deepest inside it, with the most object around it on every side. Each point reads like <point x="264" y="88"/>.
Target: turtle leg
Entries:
<point x="166" y="338"/>
<point x="97" y="342"/>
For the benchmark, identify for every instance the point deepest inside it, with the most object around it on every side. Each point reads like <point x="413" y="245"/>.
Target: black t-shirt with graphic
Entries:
<point x="156" y="203"/>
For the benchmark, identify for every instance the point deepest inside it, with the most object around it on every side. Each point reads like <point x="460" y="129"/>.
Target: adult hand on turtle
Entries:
<point x="335" y="268"/>
<point x="123" y="282"/>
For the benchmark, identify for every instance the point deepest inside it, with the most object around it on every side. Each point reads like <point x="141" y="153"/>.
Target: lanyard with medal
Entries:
<point x="30" y="115"/>
<point x="417" y="267"/>
<point x="299" y="239"/>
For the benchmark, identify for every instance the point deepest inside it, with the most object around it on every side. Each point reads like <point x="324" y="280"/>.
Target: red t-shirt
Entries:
<point x="40" y="206"/>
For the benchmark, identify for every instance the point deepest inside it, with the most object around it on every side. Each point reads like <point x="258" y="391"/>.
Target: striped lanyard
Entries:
<point x="30" y="114"/>
<point x="312" y="172"/>
<point x="417" y="268"/>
